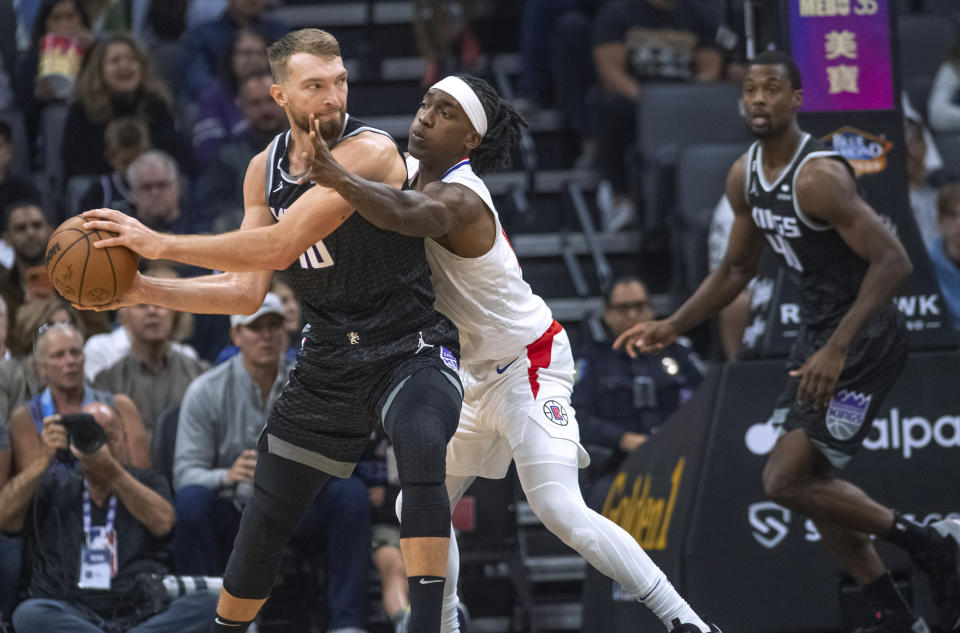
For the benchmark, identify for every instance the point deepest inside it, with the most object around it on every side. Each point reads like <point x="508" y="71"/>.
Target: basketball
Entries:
<point x="86" y="275"/>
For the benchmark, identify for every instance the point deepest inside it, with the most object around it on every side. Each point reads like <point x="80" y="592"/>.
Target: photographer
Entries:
<point x="58" y="357"/>
<point x="91" y="534"/>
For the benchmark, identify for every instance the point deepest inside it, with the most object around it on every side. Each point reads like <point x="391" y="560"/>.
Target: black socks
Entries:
<point x="426" y="603"/>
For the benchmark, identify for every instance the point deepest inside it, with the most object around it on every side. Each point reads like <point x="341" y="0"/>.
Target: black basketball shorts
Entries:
<point x="335" y="394"/>
<point x="873" y="364"/>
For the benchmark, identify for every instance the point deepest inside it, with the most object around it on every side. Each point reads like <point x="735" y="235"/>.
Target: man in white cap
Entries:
<point x="517" y="368"/>
<point x="221" y="417"/>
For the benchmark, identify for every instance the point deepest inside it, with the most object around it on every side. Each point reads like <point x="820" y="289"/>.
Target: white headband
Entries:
<point x="467" y="98"/>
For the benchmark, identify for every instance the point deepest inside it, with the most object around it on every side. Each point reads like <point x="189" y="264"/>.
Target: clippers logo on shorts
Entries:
<point x="846" y="413"/>
<point x="555" y="412"/>
<point x="448" y="358"/>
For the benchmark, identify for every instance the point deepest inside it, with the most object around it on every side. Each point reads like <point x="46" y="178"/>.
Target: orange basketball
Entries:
<point x="86" y="275"/>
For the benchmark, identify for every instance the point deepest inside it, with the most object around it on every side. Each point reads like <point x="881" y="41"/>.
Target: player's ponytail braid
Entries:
<point x="503" y="128"/>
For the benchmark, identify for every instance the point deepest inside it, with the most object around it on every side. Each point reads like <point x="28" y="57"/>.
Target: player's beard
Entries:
<point x="330" y="129"/>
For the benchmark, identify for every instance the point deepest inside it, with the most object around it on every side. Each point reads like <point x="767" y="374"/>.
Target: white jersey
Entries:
<point x="486" y="297"/>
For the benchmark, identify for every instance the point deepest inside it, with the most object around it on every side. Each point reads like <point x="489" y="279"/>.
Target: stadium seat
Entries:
<point x="701" y="180"/>
<point x="164" y="442"/>
<point x="53" y="120"/>
<point x="924" y="42"/>
<point x="672" y="116"/>
<point x="918" y="88"/>
<point x="76" y="187"/>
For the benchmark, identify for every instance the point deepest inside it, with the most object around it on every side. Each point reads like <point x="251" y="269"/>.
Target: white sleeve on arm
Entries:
<point x="196" y="448"/>
<point x="943" y="108"/>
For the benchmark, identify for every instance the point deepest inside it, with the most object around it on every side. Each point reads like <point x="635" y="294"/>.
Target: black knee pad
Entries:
<point x="282" y="491"/>
<point x="425" y="511"/>
<point x="420" y="421"/>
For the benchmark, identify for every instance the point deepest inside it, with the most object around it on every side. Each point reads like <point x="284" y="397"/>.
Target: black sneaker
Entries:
<point x="942" y="566"/>
<point x="894" y="622"/>
<point x="691" y="628"/>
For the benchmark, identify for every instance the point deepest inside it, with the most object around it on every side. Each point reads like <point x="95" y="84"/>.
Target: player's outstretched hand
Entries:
<point x="130" y="232"/>
<point x="322" y="167"/>
<point x="819" y="375"/>
<point x="648" y="336"/>
<point x="135" y="296"/>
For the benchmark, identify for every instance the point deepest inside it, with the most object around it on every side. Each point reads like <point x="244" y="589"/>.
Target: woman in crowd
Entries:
<point x="118" y="81"/>
<point x="60" y="18"/>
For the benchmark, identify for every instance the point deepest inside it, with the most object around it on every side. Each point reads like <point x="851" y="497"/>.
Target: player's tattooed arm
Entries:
<point x="437" y="210"/>
<point x="826" y="192"/>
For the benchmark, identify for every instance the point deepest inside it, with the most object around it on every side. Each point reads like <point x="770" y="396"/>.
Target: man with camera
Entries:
<point x="620" y="401"/>
<point x="94" y="536"/>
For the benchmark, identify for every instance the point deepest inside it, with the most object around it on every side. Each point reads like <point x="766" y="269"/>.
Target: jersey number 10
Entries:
<point x="317" y="256"/>
<point x="782" y="247"/>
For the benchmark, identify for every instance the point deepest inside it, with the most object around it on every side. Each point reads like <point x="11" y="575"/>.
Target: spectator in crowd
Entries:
<point x="203" y="44"/>
<point x="30" y="318"/>
<point x="118" y="81"/>
<point x="152" y="374"/>
<point x="923" y="196"/>
<point x="621" y="401"/>
<point x="58" y="356"/>
<point x="220" y="189"/>
<point x="13" y="188"/>
<point x="101" y="351"/>
<point x="125" y="139"/>
<point x="4" y="330"/>
<point x="636" y="42"/>
<point x="945" y="252"/>
<point x="27" y="232"/>
<point x="445" y="38"/>
<point x="67" y="519"/>
<point x="12" y="394"/>
<point x="556" y="59"/>
<point x="292" y="321"/>
<point x="220" y="118"/>
<point x="155" y="192"/>
<point x="943" y="106"/>
<point x="60" y="18"/>
<point x="222" y="415"/>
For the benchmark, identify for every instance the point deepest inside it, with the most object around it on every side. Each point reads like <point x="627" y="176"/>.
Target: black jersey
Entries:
<point x="828" y="271"/>
<point x="359" y="279"/>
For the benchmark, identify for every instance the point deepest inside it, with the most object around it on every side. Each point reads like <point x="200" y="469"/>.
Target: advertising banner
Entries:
<point x="757" y="567"/>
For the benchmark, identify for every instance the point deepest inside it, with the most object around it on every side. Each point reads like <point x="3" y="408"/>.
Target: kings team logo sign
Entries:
<point x="846" y="413"/>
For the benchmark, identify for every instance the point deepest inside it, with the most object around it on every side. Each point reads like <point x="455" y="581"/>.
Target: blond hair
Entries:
<point x="91" y="89"/>
<point x="313" y="41"/>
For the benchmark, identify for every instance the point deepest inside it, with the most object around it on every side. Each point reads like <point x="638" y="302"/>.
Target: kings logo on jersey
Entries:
<point x="846" y="413"/>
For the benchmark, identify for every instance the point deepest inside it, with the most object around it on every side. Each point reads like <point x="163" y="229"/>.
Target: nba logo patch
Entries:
<point x="448" y="358"/>
<point x="846" y="413"/>
<point x="555" y="412"/>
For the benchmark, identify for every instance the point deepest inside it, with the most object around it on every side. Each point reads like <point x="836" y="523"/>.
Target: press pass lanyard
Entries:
<point x="111" y="514"/>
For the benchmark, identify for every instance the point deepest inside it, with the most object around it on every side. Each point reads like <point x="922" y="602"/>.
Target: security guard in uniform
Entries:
<point x="620" y="401"/>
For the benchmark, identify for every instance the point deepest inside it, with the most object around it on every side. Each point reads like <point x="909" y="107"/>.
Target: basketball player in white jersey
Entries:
<point x="516" y="364"/>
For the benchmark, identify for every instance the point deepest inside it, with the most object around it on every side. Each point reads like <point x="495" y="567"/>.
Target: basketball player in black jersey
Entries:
<point x="373" y="349"/>
<point x="791" y="192"/>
